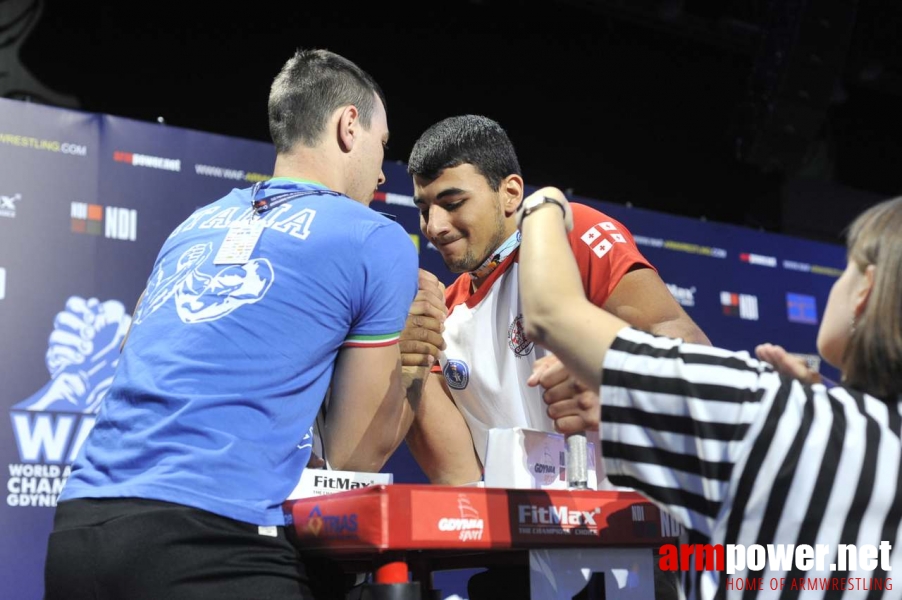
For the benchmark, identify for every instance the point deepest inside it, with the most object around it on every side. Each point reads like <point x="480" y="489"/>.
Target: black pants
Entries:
<point x="133" y="549"/>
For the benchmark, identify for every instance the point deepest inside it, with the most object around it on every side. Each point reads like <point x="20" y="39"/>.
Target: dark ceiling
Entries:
<point x="714" y="109"/>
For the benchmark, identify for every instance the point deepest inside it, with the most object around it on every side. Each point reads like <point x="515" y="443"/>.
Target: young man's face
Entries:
<point x="461" y="215"/>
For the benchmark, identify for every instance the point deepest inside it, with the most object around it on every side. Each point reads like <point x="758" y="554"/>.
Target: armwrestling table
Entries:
<point x="399" y="531"/>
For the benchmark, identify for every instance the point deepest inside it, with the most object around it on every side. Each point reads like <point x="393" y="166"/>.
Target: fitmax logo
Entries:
<point x="556" y="515"/>
<point x="685" y="296"/>
<point x="339" y="483"/>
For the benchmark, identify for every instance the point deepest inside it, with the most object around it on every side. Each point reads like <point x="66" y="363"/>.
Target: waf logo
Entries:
<point x="457" y="374"/>
<point x="51" y="425"/>
<point x="469" y="524"/>
<point x="517" y="339"/>
<point x="744" y="306"/>
<point x="112" y="221"/>
<point x="602" y="237"/>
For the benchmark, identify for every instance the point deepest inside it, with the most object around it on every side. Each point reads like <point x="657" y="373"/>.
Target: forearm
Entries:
<point x="444" y="464"/>
<point x="440" y="439"/>
<point x="365" y="451"/>
<point x="683" y="328"/>
<point x="556" y="312"/>
<point x="413" y="381"/>
<point x="360" y="435"/>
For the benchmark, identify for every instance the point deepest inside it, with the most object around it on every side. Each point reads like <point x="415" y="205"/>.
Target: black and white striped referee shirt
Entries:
<point x="740" y="455"/>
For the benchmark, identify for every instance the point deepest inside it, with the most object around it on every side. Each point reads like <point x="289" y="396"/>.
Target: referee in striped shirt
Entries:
<point x="738" y="450"/>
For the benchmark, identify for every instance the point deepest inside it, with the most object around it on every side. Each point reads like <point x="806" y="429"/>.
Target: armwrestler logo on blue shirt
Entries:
<point x="201" y="296"/>
<point x="457" y="374"/>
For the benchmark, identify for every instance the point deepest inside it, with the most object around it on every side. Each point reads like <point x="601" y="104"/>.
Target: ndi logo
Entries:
<point x="121" y="223"/>
<point x="115" y="222"/>
<point x="744" y="306"/>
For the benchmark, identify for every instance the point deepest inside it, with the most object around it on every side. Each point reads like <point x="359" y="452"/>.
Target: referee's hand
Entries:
<point x="787" y="364"/>
<point x="422" y="340"/>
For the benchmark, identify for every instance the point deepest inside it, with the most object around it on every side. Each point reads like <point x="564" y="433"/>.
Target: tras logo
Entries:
<point x="334" y="526"/>
<point x="51" y="425"/>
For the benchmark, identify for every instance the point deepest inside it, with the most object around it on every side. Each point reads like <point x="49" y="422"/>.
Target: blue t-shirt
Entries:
<point x="226" y="365"/>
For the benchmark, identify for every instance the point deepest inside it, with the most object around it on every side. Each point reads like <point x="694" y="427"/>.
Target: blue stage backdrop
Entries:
<point x="86" y="200"/>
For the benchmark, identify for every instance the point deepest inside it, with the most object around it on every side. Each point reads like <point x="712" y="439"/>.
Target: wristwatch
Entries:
<point x="532" y="203"/>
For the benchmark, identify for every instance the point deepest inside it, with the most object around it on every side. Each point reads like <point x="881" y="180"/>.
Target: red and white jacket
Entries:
<point x="488" y="357"/>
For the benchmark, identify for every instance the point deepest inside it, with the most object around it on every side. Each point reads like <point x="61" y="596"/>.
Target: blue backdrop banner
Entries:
<point x="86" y="201"/>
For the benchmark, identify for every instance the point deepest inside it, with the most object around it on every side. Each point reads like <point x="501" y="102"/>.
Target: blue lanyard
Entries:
<point x="266" y="204"/>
